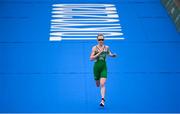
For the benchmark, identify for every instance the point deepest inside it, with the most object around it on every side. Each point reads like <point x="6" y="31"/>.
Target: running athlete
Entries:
<point x="98" y="54"/>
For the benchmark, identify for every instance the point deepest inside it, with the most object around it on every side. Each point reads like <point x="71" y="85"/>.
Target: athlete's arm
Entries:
<point x="110" y="53"/>
<point x="93" y="57"/>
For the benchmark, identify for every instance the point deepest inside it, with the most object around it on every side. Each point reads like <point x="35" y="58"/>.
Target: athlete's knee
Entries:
<point x="102" y="84"/>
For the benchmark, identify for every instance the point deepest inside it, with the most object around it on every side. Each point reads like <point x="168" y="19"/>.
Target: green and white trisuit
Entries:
<point x="100" y="68"/>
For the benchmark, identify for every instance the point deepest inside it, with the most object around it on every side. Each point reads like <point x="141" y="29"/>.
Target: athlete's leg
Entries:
<point x="97" y="83"/>
<point x="97" y="74"/>
<point x="103" y="90"/>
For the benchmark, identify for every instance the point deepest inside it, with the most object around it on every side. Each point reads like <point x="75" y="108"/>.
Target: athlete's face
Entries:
<point x="100" y="40"/>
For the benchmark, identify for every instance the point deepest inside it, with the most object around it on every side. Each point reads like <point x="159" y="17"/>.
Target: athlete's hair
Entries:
<point x="100" y="34"/>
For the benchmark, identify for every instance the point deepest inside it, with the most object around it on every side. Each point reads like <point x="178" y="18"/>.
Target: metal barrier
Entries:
<point x="173" y="8"/>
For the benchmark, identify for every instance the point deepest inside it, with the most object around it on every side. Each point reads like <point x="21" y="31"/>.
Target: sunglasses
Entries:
<point x="100" y="39"/>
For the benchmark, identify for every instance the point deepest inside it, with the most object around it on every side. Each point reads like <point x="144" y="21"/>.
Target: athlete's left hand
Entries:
<point x="114" y="55"/>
